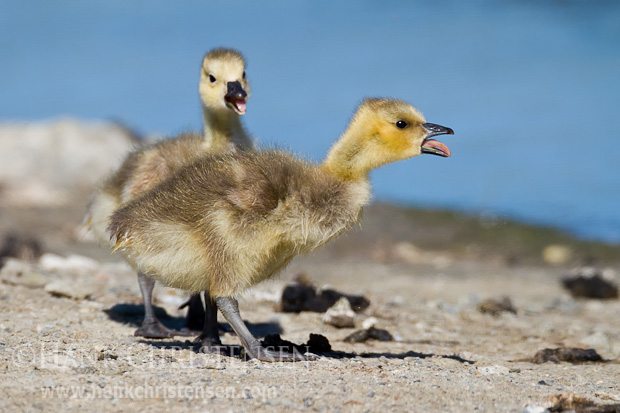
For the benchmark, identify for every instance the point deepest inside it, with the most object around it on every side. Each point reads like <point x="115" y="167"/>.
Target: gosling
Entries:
<point x="224" y="91"/>
<point x="225" y="223"/>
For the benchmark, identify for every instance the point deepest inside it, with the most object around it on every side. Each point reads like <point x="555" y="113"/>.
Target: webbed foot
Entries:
<point x="154" y="329"/>
<point x="252" y="347"/>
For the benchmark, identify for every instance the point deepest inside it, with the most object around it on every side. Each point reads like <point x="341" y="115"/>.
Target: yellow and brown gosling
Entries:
<point x="225" y="223"/>
<point x="224" y="90"/>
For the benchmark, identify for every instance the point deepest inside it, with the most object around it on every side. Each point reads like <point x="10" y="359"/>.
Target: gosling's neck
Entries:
<point x="224" y="131"/>
<point x="349" y="159"/>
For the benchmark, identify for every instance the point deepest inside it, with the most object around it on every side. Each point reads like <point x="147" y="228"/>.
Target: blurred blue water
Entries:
<point x="532" y="88"/>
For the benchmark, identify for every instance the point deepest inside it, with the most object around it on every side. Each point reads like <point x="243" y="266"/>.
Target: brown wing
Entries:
<point x="262" y="182"/>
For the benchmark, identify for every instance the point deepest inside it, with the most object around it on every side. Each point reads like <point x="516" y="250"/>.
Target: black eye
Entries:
<point x="212" y="78"/>
<point x="401" y="124"/>
<point x="244" y="74"/>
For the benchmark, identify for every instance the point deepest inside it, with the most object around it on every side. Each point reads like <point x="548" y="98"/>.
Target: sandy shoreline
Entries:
<point x="424" y="274"/>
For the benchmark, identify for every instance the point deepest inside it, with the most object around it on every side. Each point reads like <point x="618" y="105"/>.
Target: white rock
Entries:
<point x="340" y="315"/>
<point x="13" y="267"/>
<point x="369" y="322"/>
<point x="76" y="290"/>
<point x="534" y="409"/>
<point x="19" y="272"/>
<point x="43" y="163"/>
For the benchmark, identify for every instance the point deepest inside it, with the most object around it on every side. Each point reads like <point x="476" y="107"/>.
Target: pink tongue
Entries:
<point x="433" y="144"/>
<point x="240" y="103"/>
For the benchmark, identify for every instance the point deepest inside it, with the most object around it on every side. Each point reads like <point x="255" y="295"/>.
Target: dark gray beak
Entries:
<point x="235" y="91"/>
<point x="235" y="97"/>
<point x="434" y="130"/>
<point x="433" y="146"/>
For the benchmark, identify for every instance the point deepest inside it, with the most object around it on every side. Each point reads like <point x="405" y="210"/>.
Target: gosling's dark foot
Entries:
<point x="155" y="329"/>
<point x="273" y="355"/>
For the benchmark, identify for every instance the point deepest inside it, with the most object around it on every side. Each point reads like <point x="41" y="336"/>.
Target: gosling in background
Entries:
<point x="227" y="222"/>
<point x="224" y="90"/>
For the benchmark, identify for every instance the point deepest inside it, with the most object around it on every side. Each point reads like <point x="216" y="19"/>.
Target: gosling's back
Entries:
<point x="141" y="170"/>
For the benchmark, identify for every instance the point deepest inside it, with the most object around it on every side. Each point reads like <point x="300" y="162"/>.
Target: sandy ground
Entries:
<point x="67" y="344"/>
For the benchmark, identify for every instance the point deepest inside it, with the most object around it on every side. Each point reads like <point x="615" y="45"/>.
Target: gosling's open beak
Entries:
<point x="431" y="145"/>
<point x="235" y="97"/>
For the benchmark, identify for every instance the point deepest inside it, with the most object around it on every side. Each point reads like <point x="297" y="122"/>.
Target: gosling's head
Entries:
<point x="223" y="84"/>
<point x="383" y="131"/>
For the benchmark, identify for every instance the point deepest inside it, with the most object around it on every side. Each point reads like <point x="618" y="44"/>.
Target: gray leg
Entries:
<point x="230" y="309"/>
<point x="151" y="326"/>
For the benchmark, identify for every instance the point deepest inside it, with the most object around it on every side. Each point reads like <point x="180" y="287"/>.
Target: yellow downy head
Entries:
<point x="223" y="84"/>
<point x="383" y="131"/>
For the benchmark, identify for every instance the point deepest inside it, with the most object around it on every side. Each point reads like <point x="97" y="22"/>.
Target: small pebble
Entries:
<point x="340" y="315"/>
